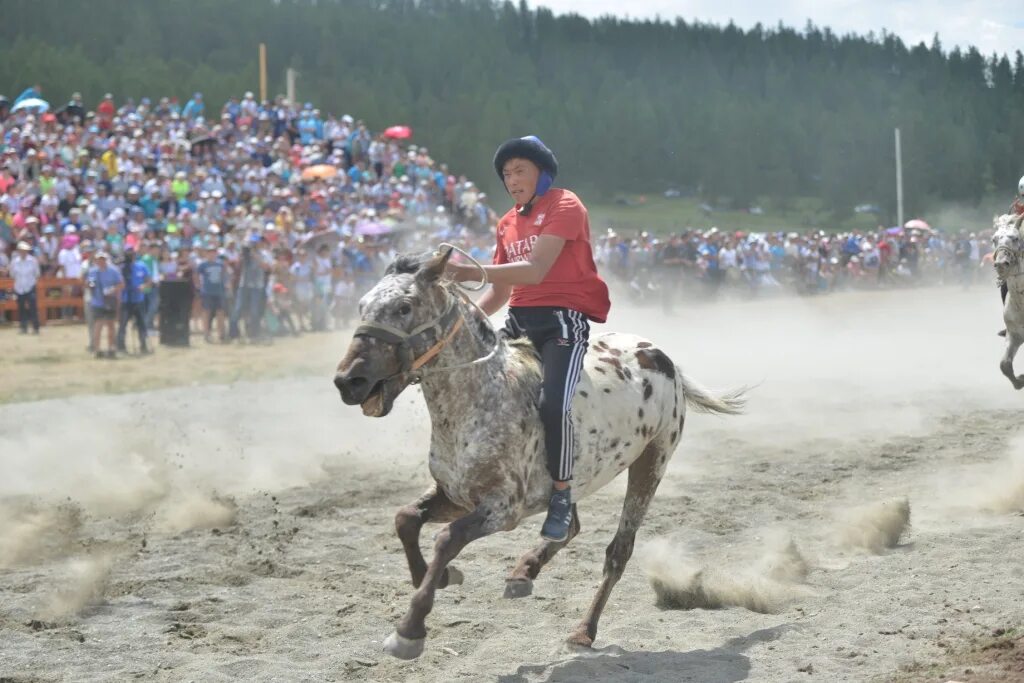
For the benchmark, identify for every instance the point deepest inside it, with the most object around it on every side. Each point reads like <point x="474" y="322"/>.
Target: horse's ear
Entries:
<point x="432" y="269"/>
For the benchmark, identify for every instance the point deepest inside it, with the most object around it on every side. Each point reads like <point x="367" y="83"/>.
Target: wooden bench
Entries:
<point x="58" y="300"/>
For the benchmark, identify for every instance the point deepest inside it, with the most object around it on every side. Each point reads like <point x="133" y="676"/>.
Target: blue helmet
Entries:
<point x="531" y="148"/>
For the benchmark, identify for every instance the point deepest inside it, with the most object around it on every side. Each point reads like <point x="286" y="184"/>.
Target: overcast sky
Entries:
<point x="990" y="25"/>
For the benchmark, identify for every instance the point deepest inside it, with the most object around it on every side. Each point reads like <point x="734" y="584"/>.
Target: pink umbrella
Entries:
<point x="372" y="229"/>
<point x="398" y="132"/>
<point x="916" y="224"/>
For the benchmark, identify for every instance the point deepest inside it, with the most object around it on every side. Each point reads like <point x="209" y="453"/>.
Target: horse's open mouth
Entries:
<point x="378" y="402"/>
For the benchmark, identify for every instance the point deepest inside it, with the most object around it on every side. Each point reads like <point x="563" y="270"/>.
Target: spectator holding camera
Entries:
<point x="105" y="284"/>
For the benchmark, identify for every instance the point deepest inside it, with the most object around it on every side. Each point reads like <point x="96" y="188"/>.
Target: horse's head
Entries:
<point x="1007" y="244"/>
<point x="405" y="316"/>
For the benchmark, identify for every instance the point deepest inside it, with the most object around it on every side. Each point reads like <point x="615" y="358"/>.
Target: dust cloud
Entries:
<point x="766" y="585"/>
<point x="874" y="528"/>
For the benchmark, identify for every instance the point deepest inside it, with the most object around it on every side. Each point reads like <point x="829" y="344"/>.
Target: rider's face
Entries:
<point x="520" y="176"/>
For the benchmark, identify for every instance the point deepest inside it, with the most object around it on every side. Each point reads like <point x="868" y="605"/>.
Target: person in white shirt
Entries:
<point x="69" y="260"/>
<point x="86" y="250"/>
<point x="25" y="271"/>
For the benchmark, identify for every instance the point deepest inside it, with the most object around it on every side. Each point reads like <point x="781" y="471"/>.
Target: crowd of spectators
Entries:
<point x="278" y="214"/>
<point x="708" y="264"/>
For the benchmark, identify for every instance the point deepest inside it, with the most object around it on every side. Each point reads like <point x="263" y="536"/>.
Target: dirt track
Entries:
<point x="244" y="531"/>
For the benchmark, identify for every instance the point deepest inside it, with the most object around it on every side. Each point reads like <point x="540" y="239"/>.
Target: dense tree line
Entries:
<point x="628" y="106"/>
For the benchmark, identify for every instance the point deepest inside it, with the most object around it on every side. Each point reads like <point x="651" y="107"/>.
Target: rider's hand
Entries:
<point x="462" y="272"/>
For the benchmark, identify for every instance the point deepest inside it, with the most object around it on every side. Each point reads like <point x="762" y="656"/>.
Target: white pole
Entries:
<point x="899" y="181"/>
<point x="290" y="75"/>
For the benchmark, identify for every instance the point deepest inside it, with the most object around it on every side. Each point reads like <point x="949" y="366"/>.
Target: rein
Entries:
<point x="452" y="319"/>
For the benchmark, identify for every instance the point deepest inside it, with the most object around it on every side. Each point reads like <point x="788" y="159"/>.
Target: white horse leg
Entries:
<point x="644" y="476"/>
<point x="410" y="635"/>
<point x="519" y="584"/>
<point x="432" y="506"/>
<point x="1013" y="343"/>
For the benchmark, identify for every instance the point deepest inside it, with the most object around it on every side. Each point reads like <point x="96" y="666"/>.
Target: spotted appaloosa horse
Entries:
<point x="487" y="447"/>
<point x="1008" y="260"/>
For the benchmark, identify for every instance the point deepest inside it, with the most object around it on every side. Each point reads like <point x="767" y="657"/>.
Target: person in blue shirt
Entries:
<point x="136" y="279"/>
<point x="307" y="128"/>
<point x="233" y="108"/>
<point x="212" y="291"/>
<point x="194" y="107"/>
<point x="355" y="173"/>
<point x="105" y="284"/>
<point x="188" y="202"/>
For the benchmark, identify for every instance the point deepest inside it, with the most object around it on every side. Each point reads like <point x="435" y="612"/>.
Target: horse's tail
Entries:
<point x="702" y="400"/>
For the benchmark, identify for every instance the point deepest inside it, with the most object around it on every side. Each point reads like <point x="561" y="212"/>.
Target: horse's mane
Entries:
<point x="1008" y="220"/>
<point x="407" y="263"/>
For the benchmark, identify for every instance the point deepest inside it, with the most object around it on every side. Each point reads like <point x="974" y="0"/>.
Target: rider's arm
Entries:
<point x="531" y="272"/>
<point x="494" y="298"/>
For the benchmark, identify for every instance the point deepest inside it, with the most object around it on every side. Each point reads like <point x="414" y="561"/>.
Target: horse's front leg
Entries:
<point x="1013" y="343"/>
<point x="432" y="506"/>
<point x="408" y="639"/>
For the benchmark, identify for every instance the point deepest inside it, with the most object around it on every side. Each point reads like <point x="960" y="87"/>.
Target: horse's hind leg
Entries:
<point x="644" y="476"/>
<point x="519" y="584"/>
<point x="432" y="506"/>
<point x="1006" y="364"/>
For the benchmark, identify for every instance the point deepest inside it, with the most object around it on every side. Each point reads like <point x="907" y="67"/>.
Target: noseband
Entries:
<point x="1011" y="255"/>
<point x="451" y="320"/>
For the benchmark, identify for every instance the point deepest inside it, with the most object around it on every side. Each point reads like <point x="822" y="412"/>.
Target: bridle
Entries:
<point x="1012" y="255"/>
<point x="451" y="320"/>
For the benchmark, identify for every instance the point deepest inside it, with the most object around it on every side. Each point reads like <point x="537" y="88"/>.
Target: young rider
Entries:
<point x="1017" y="209"/>
<point x="544" y="263"/>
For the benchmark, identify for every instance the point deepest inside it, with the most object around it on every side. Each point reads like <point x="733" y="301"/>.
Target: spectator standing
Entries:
<point x="105" y="284"/>
<point x="301" y="272"/>
<point x="133" y="299"/>
<point x="213" y="273"/>
<point x="105" y="112"/>
<point x="194" y="107"/>
<point x="25" y="271"/>
<point x="151" y="260"/>
<point x="87" y="251"/>
<point x="322" y="275"/>
<point x="250" y="299"/>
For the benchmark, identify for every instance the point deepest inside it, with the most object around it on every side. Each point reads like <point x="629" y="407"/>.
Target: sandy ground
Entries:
<point x="243" y="531"/>
<point x="56" y="364"/>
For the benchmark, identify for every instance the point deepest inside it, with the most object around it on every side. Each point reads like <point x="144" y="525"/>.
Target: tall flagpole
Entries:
<point x="899" y="181"/>
<point x="263" y="72"/>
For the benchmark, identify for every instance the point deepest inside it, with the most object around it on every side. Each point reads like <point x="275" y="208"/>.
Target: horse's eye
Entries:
<point x="404" y="309"/>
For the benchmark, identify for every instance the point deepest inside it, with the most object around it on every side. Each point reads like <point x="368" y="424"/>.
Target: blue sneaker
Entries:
<point x="556" y="525"/>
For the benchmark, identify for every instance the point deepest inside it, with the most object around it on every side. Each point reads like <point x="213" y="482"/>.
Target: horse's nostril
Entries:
<point x="350" y="384"/>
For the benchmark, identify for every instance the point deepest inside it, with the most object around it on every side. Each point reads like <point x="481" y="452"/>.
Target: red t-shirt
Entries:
<point x="573" y="281"/>
<point x="1017" y="207"/>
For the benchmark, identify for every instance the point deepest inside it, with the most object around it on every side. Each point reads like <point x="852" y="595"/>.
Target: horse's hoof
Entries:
<point x="455" y="577"/>
<point x="518" y="588"/>
<point x="403" y="648"/>
<point x="580" y="640"/>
